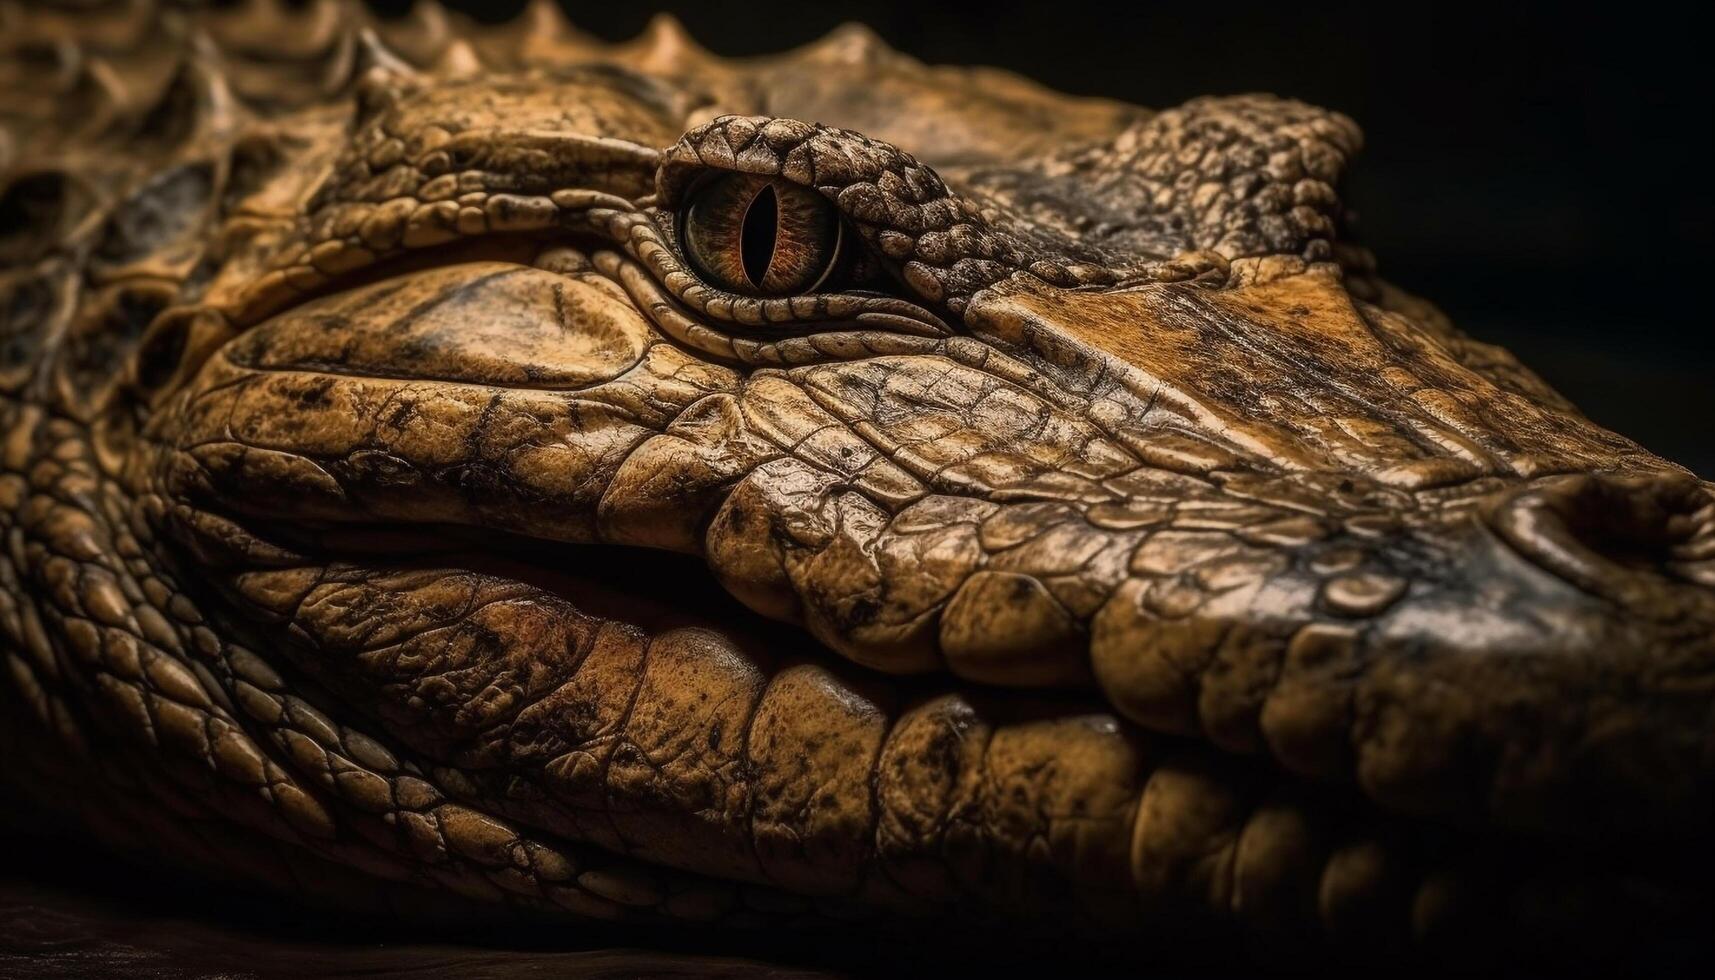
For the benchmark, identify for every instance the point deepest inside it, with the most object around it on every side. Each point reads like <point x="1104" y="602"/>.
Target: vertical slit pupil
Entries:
<point x="761" y="228"/>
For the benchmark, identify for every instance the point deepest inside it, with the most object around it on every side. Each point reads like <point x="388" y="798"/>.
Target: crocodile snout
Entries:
<point x="1627" y="538"/>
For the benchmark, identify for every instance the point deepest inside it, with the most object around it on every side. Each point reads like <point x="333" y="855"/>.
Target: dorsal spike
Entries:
<point x="338" y="19"/>
<point x="338" y="64"/>
<point x="273" y="27"/>
<point x="237" y="25"/>
<point x="195" y="104"/>
<point x="113" y="26"/>
<point x="245" y="12"/>
<point x="850" y="43"/>
<point x="419" y="36"/>
<point x="65" y="63"/>
<point x="664" y="46"/>
<point x="377" y="76"/>
<point x="458" y="60"/>
<point x="542" y="34"/>
<point x="200" y="43"/>
<point x="544" y="18"/>
<point x="371" y="54"/>
<point x="124" y="28"/>
<point x="374" y="94"/>
<point x="101" y="95"/>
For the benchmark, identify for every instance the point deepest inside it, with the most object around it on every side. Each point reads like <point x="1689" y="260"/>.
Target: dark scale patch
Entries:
<point x="157" y="215"/>
<point x="333" y="321"/>
<point x="29" y="304"/>
<point x="560" y="306"/>
<point x="173" y="118"/>
<point x="98" y="347"/>
<point x="25" y="306"/>
<point x="326" y="193"/>
<point x="36" y="211"/>
<point x="636" y="87"/>
<point x="251" y="163"/>
<point x="161" y="351"/>
<point x="416" y="347"/>
<point x="478" y="481"/>
<point x="504" y="208"/>
<point x="402" y="414"/>
<point x="198" y="279"/>
<point x="858" y="613"/>
<point x="314" y="393"/>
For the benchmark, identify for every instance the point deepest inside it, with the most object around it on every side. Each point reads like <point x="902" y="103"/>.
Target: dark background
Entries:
<point x="1538" y="171"/>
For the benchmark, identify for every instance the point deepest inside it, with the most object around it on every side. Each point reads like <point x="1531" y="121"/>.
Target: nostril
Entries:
<point x="1694" y="546"/>
<point x="1630" y="522"/>
<point x="1603" y="531"/>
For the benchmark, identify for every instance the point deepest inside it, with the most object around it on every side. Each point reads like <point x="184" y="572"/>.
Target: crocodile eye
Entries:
<point x="761" y="235"/>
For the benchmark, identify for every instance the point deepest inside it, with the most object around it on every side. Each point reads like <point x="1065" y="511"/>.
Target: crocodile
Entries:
<point x="487" y="471"/>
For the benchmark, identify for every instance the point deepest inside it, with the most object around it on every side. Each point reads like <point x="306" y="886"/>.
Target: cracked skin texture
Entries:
<point x="396" y="516"/>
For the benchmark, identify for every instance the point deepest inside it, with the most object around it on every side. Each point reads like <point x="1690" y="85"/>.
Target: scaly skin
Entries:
<point x="1145" y="561"/>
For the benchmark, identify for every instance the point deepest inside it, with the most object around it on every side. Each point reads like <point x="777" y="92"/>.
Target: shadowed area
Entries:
<point x="64" y="915"/>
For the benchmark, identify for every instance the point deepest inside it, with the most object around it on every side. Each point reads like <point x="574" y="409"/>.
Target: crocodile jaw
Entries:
<point x="1116" y="492"/>
<point x="1030" y="572"/>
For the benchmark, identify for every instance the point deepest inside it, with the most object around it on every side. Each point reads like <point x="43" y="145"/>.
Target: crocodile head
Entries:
<point x="1140" y="551"/>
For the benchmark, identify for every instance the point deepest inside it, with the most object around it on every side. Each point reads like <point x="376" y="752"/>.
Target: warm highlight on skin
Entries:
<point x="412" y="498"/>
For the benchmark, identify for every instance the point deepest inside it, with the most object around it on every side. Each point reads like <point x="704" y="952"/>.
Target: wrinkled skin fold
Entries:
<point x="394" y="516"/>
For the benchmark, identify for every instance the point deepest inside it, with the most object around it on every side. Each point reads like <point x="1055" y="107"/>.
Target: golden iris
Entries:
<point x="760" y="235"/>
